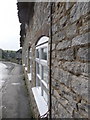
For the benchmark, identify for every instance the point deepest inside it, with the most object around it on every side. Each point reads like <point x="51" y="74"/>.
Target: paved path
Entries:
<point x="15" y="103"/>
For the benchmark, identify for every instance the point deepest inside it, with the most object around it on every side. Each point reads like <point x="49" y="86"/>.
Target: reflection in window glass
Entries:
<point x="44" y="53"/>
<point x="37" y="53"/>
<point x="38" y="81"/>
<point x="45" y="74"/>
<point x="38" y="68"/>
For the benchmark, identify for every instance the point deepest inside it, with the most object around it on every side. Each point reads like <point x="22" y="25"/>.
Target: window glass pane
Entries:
<point x="37" y="53"/>
<point x="38" y="68"/>
<point x="45" y="73"/>
<point x="38" y="81"/>
<point x="30" y="61"/>
<point x="44" y="53"/>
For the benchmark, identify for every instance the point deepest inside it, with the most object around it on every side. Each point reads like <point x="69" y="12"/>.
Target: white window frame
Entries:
<point x="41" y="84"/>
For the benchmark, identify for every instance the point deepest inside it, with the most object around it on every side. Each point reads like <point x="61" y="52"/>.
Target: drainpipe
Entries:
<point x="50" y="80"/>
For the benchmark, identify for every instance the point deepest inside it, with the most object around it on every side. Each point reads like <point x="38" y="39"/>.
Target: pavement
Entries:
<point x="15" y="102"/>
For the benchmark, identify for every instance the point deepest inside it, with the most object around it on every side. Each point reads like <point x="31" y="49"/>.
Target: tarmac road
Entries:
<point x="15" y="103"/>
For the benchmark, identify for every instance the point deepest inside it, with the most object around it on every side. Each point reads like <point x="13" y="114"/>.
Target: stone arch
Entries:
<point x="42" y="39"/>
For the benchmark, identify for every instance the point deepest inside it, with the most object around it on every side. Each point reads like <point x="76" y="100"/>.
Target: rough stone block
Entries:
<point x="83" y="106"/>
<point x="83" y="113"/>
<point x="77" y="115"/>
<point x="66" y="54"/>
<point x="62" y="112"/>
<point x="56" y="63"/>
<point x="71" y="30"/>
<point x="56" y="72"/>
<point x="86" y="19"/>
<point x="76" y="67"/>
<point x="83" y="54"/>
<point x="75" y="13"/>
<point x="64" y="44"/>
<point x="71" y="102"/>
<point x="68" y="5"/>
<point x="64" y="77"/>
<point x="56" y="94"/>
<point x="79" y="9"/>
<point x="63" y="20"/>
<point x="81" y="39"/>
<point x="84" y="28"/>
<point x="66" y="100"/>
<point x="59" y="36"/>
<point x="80" y="86"/>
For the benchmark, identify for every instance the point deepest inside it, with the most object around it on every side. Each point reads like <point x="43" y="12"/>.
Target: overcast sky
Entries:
<point x="9" y="25"/>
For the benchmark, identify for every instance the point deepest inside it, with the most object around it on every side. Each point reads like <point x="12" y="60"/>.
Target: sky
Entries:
<point x="9" y="25"/>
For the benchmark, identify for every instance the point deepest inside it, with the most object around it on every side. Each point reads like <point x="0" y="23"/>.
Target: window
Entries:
<point x="42" y="67"/>
<point x="44" y="53"/>
<point x="30" y="64"/>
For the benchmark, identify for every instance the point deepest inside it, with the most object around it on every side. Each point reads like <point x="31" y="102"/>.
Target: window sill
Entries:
<point x="41" y="103"/>
<point x="29" y="76"/>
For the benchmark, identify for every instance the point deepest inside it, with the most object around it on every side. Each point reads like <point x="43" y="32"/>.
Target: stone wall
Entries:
<point x="38" y="27"/>
<point x="70" y="46"/>
<point x="70" y="60"/>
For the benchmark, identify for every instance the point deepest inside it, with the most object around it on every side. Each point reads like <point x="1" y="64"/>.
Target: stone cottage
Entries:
<point x="55" y="45"/>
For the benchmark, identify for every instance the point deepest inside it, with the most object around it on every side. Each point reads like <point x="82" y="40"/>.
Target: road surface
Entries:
<point x="15" y="103"/>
